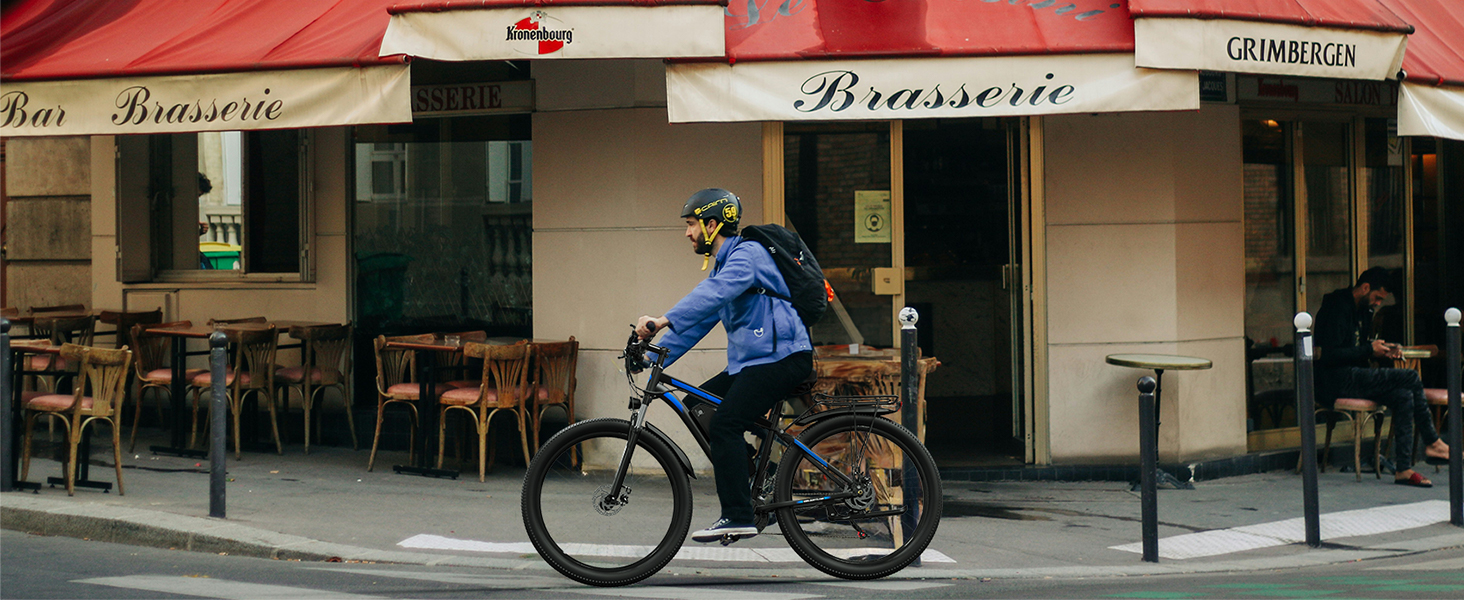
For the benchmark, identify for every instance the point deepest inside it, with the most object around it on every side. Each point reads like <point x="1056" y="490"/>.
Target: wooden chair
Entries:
<point x="1361" y="412"/>
<point x="150" y="361"/>
<point x="237" y="321"/>
<point x="505" y="387"/>
<point x="555" y="364"/>
<point x="325" y="365"/>
<point x="77" y="330"/>
<point x="60" y="308"/>
<point x="104" y="373"/>
<point x="253" y="372"/>
<point x="396" y="369"/>
<point x="124" y="321"/>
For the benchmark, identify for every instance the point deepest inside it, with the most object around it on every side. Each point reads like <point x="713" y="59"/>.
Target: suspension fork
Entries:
<point x="637" y="421"/>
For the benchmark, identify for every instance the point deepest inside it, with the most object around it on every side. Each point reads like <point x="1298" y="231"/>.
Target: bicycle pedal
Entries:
<point x="727" y="540"/>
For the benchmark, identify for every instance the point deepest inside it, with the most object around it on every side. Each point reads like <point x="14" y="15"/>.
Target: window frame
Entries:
<point x="146" y="249"/>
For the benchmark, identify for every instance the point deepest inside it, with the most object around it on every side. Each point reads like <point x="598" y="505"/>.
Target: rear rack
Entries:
<point x="876" y="405"/>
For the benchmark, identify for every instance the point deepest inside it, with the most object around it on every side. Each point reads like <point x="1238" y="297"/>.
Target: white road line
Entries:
<point x="1446" y="564"/>
<point x="494" y="581"/>
<point x="1351" y="523"/>
<point x="224" y="589"/>
<point x="689" y="593"/>
<point x="885" y="586"/>
<point x="706" y="553"/>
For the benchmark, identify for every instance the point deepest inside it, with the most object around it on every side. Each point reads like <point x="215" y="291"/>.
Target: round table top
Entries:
<point x="1167" y="362"/>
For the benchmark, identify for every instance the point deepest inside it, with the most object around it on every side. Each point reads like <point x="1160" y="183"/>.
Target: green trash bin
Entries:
<point x="219" y="256"/>
<point x="381" y="284"/>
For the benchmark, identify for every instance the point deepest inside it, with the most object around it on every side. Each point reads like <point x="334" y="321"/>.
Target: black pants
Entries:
<point x="1402" y="392"/>
<point x="749" y="394"/>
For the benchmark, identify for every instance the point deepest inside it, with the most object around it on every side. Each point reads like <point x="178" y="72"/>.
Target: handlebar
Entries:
<point x="635" y="350"/>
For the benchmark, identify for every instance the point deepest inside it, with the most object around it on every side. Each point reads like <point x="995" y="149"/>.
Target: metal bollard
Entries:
<point x="910" y="409"/>
<point x="7" y="417"/>
<point x="1148" y="467"/>
<point x="1306" y="420"/>
<point x="1456" y="420"/>
<point x="218" y="424"/>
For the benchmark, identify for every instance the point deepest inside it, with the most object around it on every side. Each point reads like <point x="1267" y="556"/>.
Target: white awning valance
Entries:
<point x="207" y="102"/>
<point x="571" y="31"/>
<point x="1267" y="48"/>
<point x="913" y="88"/>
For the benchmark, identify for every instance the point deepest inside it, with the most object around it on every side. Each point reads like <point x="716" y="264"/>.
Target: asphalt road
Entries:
<point x="53" y="567"/>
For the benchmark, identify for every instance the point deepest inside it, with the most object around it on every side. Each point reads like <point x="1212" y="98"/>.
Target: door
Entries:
<point x="962" y="273"/>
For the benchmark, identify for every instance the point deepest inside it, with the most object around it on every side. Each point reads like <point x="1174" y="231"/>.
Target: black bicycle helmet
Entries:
<point x="714" y="204"/>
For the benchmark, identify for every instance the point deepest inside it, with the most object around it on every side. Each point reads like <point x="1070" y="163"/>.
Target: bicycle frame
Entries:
<point x="661" y="386"/>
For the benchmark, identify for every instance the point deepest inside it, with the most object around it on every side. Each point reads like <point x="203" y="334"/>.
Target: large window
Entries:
<point x="444" y="224"/>
<point x="210" y="205"/>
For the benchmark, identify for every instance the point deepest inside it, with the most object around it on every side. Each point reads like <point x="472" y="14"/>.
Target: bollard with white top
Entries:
<point x="910" y="409"/>
<point x="1306" y="421"/>
<point x="1456" y="420"/>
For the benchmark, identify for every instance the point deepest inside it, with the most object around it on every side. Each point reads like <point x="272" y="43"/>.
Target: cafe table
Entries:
<point x="180" y="335"/>
<point x="1161" y="363"/>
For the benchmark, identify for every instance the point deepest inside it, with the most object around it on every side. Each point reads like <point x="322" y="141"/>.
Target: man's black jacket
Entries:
<point x="1340" y="336"/>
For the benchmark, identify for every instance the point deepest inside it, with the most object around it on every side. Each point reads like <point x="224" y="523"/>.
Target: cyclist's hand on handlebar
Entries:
<point x="647" y="326"/>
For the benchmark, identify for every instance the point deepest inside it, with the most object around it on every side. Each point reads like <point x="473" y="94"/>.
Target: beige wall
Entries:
<point x="1144" y="251"/>
<point x="48" y="182"/>
<point x="325" y="299"/>
<point x="608" y="188"/>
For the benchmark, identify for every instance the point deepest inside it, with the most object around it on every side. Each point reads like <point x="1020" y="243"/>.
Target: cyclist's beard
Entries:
<point x="700" y="245"/>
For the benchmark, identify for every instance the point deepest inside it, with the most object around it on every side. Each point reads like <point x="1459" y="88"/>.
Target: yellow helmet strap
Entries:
<point x="707" y="237"/>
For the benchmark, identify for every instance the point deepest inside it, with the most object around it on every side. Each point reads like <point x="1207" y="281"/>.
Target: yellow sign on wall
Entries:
<point x="872" y="220"/>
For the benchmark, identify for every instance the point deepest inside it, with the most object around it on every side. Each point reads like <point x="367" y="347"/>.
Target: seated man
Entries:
<point x="1343" y="350"/>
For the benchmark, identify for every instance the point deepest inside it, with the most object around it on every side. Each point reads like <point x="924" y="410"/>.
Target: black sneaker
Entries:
<point x="723" y="528"/>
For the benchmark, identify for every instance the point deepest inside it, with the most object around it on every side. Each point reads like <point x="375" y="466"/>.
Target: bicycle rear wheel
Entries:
<point x="589" y="539"/>
<point x="890" y="520"/>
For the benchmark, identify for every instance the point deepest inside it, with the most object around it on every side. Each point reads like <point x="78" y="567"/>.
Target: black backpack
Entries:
<point x="808" y="291"/>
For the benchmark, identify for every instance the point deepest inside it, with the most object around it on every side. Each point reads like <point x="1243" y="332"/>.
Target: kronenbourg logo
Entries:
<point x="539" y="34"/>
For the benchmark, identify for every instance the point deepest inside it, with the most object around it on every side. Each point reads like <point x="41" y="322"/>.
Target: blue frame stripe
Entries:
<point x="691" y="389"/>
<point x="810" y="452"/>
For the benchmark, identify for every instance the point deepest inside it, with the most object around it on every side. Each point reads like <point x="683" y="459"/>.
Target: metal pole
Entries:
<point x="1456" y="421"/>
<point x="910" y="414"/>
<point x="1148" y="465"/>
<point x="1306" y="420"/>
<point x="7" y="416"/>
<point x="218" y="423"/>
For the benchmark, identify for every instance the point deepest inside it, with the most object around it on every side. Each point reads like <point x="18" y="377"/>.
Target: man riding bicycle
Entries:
<point x="768" y="350"/>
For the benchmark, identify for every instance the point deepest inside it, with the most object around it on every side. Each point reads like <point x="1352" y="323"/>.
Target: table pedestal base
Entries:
<point x="183" y="452"/>
<point x="1163" y="478"/>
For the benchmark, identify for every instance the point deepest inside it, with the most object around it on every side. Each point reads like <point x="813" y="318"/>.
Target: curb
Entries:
<point x="157" y="529"/>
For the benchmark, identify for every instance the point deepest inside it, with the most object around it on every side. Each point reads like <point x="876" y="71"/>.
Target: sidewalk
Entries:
<point x="326" y="505"/>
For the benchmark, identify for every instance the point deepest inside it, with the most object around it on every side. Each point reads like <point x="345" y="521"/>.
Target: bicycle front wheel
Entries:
<point x="893" y="513"/>
<point x="585" y="532"/>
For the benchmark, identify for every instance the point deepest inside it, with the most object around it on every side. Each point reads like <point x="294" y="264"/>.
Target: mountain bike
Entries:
<point x="608" y="501"/>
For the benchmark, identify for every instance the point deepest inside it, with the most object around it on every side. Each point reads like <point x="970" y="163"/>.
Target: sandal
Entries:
<point x="1414" y="480"/>
<point x="1436" y="461"/>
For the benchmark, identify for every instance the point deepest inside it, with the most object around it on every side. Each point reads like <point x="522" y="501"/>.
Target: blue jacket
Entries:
<point x="761" y="329"/>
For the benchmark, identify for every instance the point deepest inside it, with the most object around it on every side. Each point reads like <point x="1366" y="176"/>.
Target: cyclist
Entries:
<point x="768" y="350"/>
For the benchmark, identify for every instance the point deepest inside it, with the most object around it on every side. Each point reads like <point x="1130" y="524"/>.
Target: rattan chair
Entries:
<point x="253" y="372"/>
<point x="124" y="321"/>
<point x="505" y="387"/>
<point x="70" y="329"/>
<point x="325" y="364"/>
<point x="103" y="373"/>
<point x="396" y="370"/>
<point x="150" y="362"/>
<point x="555" y="365"/>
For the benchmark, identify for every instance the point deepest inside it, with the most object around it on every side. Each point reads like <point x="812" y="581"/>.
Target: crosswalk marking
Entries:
<point x="223" y="589"/>
<point x="1351" y="523"/>
<point x="689" y="593"/>
<point x="495" y="581"/>
<point x="705" y="553"/>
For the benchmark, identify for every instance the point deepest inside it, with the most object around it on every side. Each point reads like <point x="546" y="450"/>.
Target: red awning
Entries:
<point x="1431" y="97"/>
<point x="909" y="59"/>
<point x="1344" y="39"/>
<point x="77" y="39"/>
<point x="832" y="29"/>
<point x="555" y="29"/>
<point x="70" y="64"/>
<point x="1341" y="14"/>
